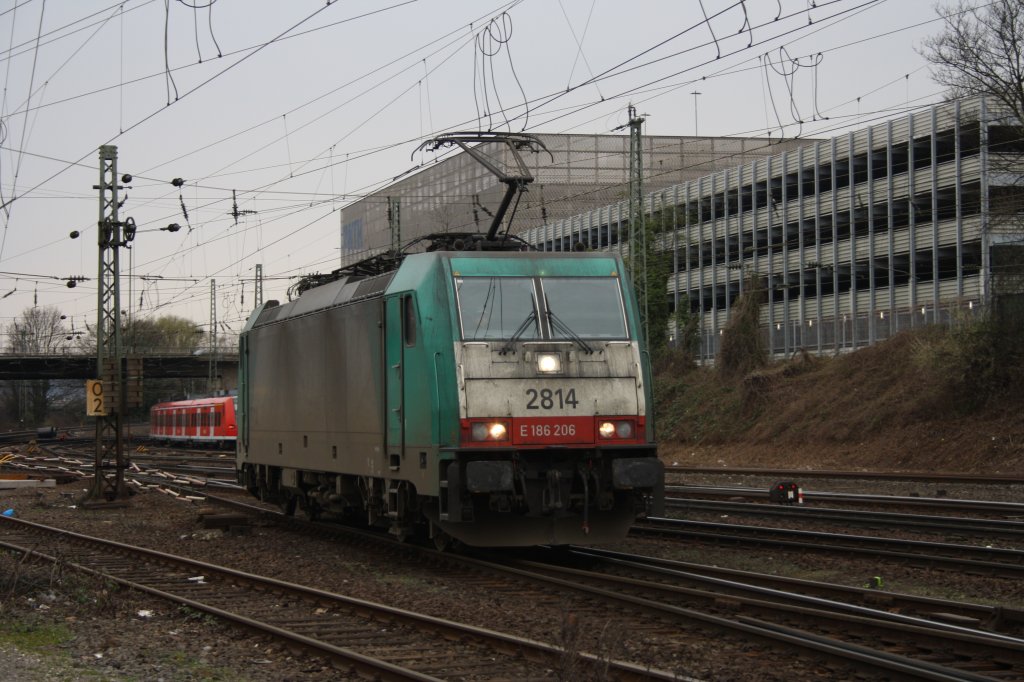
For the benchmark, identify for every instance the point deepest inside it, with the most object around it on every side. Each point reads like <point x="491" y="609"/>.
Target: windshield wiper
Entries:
<point x="563" y="330"/>
<point x="520" y="330"/>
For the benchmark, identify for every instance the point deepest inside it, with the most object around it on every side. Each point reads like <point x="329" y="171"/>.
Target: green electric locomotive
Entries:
<point x="494" y="398"/>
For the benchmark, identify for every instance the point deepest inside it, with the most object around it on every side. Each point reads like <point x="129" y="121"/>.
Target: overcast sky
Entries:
<point x="299" y="107"/>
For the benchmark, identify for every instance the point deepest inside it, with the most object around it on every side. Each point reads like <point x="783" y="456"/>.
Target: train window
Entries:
<point x="589" y="307"/>
<point x="497" y="308"/>
<point x="408" y="320"/>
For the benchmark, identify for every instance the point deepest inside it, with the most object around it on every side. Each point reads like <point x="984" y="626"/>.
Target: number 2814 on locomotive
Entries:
<point x="495" y="399"/>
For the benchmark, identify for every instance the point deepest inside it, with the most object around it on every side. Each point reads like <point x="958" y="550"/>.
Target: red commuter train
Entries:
<point x="203" y="420"/>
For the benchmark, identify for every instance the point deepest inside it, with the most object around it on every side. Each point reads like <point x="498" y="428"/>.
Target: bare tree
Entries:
<point x="38" y="331"/>
<point x="980" y="51"/>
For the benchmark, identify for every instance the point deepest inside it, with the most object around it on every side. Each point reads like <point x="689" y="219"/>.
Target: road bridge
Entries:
<point x="19" y="367"/>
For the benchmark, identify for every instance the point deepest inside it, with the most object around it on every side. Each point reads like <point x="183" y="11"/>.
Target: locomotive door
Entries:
<point x="394" y="383"/>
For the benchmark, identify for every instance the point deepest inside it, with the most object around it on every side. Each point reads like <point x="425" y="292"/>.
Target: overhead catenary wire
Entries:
<point x="24" y="132"/>
<point x="292" y="174"/>
<point x="292" y="233"/>
<point x="192" y="90"/>
<point x="319" y="169"/>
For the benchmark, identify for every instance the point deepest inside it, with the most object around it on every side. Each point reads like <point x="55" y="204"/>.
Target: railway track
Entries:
<point x="965" y="558"/>
<point x="878" y="629"/>
<point x="928" y="655"/>
<point x="812" y="497"/>
<point x="957" y="526"/>
<point x="190" y="481"/>
<point x="1000" y="619"/>
<point x="799" y="474"/>
<point x="67" y="462"/>
<point x="370" y="639"/>
<point x="947" y="647"/>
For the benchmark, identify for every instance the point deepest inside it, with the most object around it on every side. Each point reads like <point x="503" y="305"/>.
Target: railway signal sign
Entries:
<point x="95" y="404"/>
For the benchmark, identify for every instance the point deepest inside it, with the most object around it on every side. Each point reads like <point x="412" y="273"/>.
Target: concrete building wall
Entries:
<point x="457" y="194"/>
<point x="853" y="238"/>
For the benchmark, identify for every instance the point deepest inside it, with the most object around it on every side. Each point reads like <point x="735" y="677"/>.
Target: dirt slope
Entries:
<point x="914" y="403"/>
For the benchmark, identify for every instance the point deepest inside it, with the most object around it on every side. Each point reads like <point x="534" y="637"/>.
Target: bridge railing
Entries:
<point x="227" y="352"/>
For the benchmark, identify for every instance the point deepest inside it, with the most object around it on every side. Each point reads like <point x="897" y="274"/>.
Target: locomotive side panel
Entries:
<point x="315" y="391"/>
<point x="420" y="331"/>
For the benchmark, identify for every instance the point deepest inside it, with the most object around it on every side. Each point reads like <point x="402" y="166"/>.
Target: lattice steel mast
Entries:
<point x="395" y="223"/>
<point x="211" y="384"/>
<point x="108" y="482"/>
<point x="259" y="285"/>
<point x="637" y="230"/>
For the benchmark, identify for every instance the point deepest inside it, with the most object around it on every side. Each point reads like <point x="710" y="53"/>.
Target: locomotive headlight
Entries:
<point x="489" y="431"/>
<point x="549" y="363"/>
<point x="619" y="429"/>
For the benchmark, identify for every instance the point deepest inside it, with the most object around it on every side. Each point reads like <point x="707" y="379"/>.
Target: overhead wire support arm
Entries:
<point x="514" y="178"/>
<point x="235" y="212"/>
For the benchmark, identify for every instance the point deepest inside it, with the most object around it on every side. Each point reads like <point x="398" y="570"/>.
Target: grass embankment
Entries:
<point x="927" y="399"/>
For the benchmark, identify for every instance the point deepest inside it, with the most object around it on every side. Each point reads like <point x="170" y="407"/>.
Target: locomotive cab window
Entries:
<point x="508" y="308"/>
<point x="590" y="307"/>
<point x="497" y="308"/>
